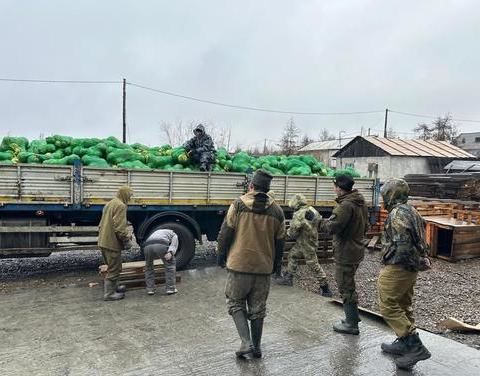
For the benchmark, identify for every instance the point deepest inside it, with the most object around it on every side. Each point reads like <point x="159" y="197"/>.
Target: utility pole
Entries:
<point x="386" y="120"/>
<point x="265" y="147"/>
<point x="369" y="132"/>
<point x="228" y="142"/>
<point x="124" y="97"/>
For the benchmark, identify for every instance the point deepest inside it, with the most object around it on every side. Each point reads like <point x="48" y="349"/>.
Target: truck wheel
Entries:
<point x="186" y="242"/>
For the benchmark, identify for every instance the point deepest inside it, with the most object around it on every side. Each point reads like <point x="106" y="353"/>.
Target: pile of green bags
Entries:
<point x="110" y="152"/>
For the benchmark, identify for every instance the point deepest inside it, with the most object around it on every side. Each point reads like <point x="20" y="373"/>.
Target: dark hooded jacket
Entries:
<point x="403" y="239"/>
<point x="200" y="144"/>
<point x="348" y="225"/>
<point x="113" y="229"/>
<point x="251" y="238"/>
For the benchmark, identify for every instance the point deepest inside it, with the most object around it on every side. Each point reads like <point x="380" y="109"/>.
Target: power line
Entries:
<point x="249" y="108"/>
<point x="430" y="117"/>
<point x="59" y="81"/>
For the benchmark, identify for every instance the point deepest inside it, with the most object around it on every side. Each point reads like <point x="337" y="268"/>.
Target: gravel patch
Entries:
<point x="448" y="290"/>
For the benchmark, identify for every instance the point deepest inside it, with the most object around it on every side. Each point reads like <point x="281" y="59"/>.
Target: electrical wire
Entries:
<point x="249" y="108"/>
<point x="430" y="117"/>
<point x="59" y="81"/>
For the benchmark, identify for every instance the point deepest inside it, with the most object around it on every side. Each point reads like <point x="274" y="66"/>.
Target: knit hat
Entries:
<point x="344" y="182"/>
<point x="262" y="179"/>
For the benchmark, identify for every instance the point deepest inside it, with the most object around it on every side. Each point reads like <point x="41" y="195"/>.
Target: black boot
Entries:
<point x="415" y="352"/>
<point x="350" y="324"/>
<point x="397" y="347"/>
<point x="285" y="280"/>
<point x="241" y="322"/>
<point x="121" y="289"/>
<point x="257" y="329"/>
<point x="325" y="290"/>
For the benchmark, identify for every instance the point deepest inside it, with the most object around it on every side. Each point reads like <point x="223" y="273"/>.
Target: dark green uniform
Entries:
<point x="404" y="250"/>
<point x="348" y="224"/>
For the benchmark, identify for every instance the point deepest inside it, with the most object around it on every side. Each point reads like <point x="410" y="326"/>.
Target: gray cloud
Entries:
<point x="331" y="56"/>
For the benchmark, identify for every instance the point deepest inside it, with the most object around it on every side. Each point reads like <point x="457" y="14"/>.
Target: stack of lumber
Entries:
<point x="465" y="186"/>
<point x="133" y="273"/>
<point x="324" y="250"/>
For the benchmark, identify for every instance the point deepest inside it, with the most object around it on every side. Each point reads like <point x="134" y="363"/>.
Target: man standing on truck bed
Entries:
<point x="304" y="230"/>
<point x="348" y="225"/>
<point x="200" y="148"/>
<point x="113" y="237"/>
<point x="162" y="243"/>
<point x="250" y="244"/>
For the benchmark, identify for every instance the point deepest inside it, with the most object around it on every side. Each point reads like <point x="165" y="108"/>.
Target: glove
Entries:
<point x="128" y="245"/>
<point x="309" y="215"/>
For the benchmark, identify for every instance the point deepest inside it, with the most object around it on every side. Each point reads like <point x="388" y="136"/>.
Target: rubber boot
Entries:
<point x="109" y="293"/>
<point x="350" y="324"/>
<point x="416" y="351"/>
<point x="241" y="322"/>
<point x="285" y="280"/>
<point x="121" y="289"/>
<point x="397" y="347"/>
<point x="257" y="329"/>
<point x="325" y="290"/>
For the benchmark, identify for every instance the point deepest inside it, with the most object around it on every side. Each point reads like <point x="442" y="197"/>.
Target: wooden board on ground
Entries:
<point x="373" y="242"/>
<point x="136" y="265"/>
<point x="458" y="325"/>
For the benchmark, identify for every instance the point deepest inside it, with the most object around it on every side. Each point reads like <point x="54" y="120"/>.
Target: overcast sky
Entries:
<point x="309" y="56"/>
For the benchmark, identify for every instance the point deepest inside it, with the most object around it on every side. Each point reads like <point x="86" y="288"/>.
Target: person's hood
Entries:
<point x="199" y="127"/>
<point x="394" y="192"/>
<point x="354" y="197"/>
<point x="258" y="202"/>
<point x="125" y="193"/>
<point x="297" y="201"/>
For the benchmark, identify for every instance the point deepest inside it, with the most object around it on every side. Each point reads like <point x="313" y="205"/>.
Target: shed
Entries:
<point x="323" y="150"/>
<point x="390" y="157"/>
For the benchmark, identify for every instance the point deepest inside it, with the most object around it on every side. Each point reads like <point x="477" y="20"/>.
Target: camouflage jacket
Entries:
<point x="403" y="239"/>
<point x="200" y="145"/>
<point x="304" y="226"/>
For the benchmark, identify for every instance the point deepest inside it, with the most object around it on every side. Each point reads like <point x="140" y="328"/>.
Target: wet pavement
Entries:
<point x="71" y="331"/>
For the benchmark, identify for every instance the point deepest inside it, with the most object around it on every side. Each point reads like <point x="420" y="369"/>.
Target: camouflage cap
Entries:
<point x="298" y="200"/>
<point x="394" y="191"/>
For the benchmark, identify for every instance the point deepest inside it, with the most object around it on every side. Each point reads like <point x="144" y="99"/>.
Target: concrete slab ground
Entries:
<point x="71" y="331"/>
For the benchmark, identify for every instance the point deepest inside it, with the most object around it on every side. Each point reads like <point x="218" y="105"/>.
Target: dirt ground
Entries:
<point x="448" y="290"/>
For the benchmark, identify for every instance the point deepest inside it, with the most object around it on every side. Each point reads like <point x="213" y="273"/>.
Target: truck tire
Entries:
<point x="186" y="242"/>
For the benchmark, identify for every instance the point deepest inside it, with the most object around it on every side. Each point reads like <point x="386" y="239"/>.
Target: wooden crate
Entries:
<point x="453" y="239"/>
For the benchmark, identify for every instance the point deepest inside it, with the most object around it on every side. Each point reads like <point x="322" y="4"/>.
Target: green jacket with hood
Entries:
<point x="113" y="229"/>
<point x="348" y="225"/>
<point x="251" y="238"/>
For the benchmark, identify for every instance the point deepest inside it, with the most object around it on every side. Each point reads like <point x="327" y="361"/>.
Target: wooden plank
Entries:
<point x="8" y="229"/>
<point x="73" y="239"/>
<point x="454" y="324"/>
<point x="133" y="264"/>
<point x="373" y="242"/>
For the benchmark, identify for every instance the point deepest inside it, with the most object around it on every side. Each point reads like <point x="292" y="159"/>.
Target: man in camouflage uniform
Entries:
<point x="348" y="225"/>
<point x="113" y="237"/>
<point x="201" y="149"/>
<point x="405" y="253"/>
<point x="304" y="229"/>
<point x="250" y="245"/>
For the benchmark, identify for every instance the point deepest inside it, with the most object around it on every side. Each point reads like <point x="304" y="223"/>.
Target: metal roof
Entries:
<point x="416" y="148"/>
<point x="326" y="145"/>
<point x="463" y="166"/>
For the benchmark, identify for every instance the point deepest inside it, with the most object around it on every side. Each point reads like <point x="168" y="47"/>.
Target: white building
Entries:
<point x="470" y="142"/>
<point x="323" y="150"/>
<point x="394" y="158"/>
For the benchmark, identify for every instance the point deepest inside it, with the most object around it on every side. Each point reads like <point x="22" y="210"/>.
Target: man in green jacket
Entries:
<point x="405" y="254"/>
<point x="348" y="225"/>
<point x="250" y="245"/>
<point x="113" y="237"/>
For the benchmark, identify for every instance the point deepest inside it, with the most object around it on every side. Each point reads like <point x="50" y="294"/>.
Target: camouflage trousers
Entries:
<point x="204" y="159"/>
<point x="395" y="296"/>
<point x="311" y="260"/>
<point x="248" y="293"/>
<point x="345" y="278"/>
<point x="113" y="259"/>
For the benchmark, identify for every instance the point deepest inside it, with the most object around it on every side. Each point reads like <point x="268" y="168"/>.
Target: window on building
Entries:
<point x="477" y="139"/>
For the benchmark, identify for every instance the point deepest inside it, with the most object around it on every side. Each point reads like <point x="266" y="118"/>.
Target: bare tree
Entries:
<point x="305" y="141"/>
<point x="288" y="142"/>
<point x="423" y="131"/>
<point x="391" y="133"/>
<point x="325" y="135"/>
<point x="442" y="129"/>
